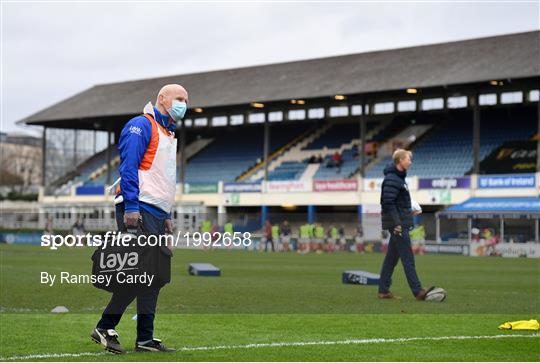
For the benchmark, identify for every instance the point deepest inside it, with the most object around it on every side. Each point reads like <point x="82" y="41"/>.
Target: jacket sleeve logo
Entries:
<point x="135" y="130"/>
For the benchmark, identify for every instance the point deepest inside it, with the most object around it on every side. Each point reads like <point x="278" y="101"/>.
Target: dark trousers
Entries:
<point x="271" y="241"/>
<point x="146" y="308"/>
<point x="146" y="299"/>
<point x="399" y="247"/>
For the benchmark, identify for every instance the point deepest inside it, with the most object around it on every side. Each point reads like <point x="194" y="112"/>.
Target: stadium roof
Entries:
<point x="511" y="56"/>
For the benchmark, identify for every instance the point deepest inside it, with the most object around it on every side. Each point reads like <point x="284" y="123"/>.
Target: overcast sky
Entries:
<point x="51" y="51"/>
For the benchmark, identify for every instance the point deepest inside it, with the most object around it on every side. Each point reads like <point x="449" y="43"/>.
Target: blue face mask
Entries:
<point x="177" y="110"/>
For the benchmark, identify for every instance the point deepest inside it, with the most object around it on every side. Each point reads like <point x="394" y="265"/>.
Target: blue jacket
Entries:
<point x="134" y="140"/>
<point x="395" y="200"/>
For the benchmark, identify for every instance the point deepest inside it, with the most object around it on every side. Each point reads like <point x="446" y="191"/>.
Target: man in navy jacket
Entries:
<point x="397" y="218"/>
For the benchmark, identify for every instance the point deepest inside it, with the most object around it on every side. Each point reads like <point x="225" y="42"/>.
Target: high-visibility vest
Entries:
<point x="304" y="231"/>
<point x="319" y="232"/>
<point x="206" y="226"/>
<point x="275" y="231"/>
<point x="157" y="171"/>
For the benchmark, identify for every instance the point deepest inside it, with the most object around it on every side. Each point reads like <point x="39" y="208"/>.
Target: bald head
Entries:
<point x="167" y="94"/>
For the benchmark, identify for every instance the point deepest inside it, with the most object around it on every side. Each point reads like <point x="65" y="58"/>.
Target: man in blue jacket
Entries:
<point x="397" y="218"/>
<point x="146" y="196"/>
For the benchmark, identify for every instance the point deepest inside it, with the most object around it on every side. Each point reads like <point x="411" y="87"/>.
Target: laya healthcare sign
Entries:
<point x="335" y="185"/>
<point x="507" y="181"/>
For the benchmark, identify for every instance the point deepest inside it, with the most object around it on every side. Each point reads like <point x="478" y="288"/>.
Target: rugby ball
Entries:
<point x="438" y="294"/>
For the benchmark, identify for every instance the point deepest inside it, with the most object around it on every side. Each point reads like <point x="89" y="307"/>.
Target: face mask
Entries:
<point x="177" y="110"/>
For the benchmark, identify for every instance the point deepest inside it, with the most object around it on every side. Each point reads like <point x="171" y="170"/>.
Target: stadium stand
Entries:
<point x="233" y="151"/>
<point x="324" y="142"/>
<point x="348" y="167"/>
<point x="444" y="150"/>
<point x="91" y="172"/>
<point x="447" y="149"/>
<point x="335" y="136"/>
<point x="289" y="170"/>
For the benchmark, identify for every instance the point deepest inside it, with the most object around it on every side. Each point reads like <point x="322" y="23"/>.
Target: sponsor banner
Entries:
<point x="511" y="157"/>
<point x="335" y="185"/>
<point x="29" y="238"/>
<point x="371" y="247"/>
<point x="232" y="199"/>
<point x="529" y="249"/>
<point x="374" y="184"/>
<point x="254" y="187"/>
<point x="190" y="188"/>
<point x="90" y="190"/>
<point x="446" y="249"/>
<point x="440" y="196"/>
<point x="287" y="186"/>
<point x="444" y="183"/>
<point x="507" y="181"/>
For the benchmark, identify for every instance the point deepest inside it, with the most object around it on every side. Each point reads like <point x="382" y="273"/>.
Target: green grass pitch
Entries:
<point x="278" y="307"/>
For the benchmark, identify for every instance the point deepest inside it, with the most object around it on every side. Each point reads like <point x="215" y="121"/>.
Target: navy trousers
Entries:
<point x="399" y="247"/>
<point x="146" y="299"/>
<point x="271" y="241"/>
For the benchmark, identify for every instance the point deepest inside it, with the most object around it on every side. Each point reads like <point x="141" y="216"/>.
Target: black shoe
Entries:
<point x="153" y="346"/>
<point x="109" y="339"/>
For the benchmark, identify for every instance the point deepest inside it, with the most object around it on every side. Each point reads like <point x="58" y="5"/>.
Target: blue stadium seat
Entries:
<point x="288" y="170"/>
<point x="87" y="168"/>
<point x="348" y="167"/>
<point x="232" y="153"/>
<point x="336" y="136"/>
<point x="447" y="149"/>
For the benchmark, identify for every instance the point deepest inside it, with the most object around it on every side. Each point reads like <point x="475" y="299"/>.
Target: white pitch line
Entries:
<point x="287" y="344"/>
<point x="52" y="355"/>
